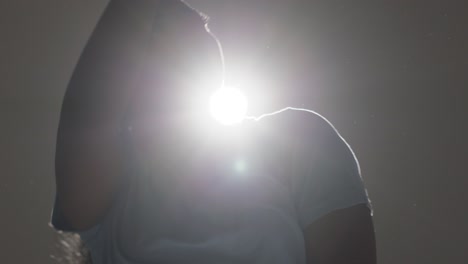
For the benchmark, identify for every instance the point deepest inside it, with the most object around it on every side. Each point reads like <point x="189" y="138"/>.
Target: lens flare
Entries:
<point x="228" y="106"/>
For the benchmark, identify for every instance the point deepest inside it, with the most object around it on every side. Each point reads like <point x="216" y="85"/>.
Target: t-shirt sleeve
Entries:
<point x="326" y="173"/>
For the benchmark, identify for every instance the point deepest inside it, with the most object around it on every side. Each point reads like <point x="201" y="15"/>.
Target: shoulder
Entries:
<point x="304" y="133"/>
<point x="296" y="124"/>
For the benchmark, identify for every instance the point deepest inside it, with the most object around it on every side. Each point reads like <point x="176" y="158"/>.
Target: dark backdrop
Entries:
<point x="388" y="74"/>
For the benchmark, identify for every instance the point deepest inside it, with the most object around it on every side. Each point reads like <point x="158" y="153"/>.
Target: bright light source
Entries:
<point x="228" y="106"/>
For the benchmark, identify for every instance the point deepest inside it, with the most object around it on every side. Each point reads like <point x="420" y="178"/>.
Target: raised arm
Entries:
<point x="89" y="158"/>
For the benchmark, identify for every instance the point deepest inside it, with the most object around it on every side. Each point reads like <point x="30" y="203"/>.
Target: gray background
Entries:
<point x="388" y="74"/>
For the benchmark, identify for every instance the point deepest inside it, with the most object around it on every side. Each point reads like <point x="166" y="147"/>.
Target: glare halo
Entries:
<point x="228" y="106"/>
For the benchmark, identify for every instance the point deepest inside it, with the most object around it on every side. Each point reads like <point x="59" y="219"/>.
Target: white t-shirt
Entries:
<point x="246" y="198"/>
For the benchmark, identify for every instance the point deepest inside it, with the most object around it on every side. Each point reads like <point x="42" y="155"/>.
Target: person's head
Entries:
<point x="183" y="67"/>
<point x="184" y="59"/>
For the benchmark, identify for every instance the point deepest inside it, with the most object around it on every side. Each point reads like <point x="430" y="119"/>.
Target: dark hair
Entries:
<point x="70" y="249"/>
<point x="182" y="52"/>
<point x="192" y="35"/>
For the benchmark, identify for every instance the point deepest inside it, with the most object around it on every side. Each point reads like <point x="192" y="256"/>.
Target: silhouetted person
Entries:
<point x="143" y="179"/>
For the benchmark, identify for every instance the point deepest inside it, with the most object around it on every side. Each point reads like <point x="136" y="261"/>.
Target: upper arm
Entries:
<point x="325" y="172"/>
<point x="342" y="236"/>
<point x="89" y="159"/>
<point x="331" y="201"/>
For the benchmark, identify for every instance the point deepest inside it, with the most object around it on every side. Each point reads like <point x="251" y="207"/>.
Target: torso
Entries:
<point x="228" y="202"/>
